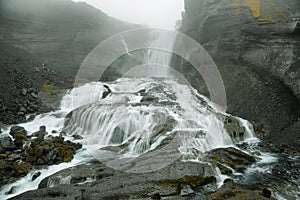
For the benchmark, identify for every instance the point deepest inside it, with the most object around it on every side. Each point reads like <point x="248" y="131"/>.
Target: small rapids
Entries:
<point x="136" y="125"/>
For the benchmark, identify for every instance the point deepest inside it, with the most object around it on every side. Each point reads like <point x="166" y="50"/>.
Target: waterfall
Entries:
<point x="140" y="115"/>
<point x="151" y="122"/>
<point x="157" y="58"/>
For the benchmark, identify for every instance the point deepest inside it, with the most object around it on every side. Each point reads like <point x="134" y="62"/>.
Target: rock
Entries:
<point x="35" y="176"/>
<point x="20" y="138"/>
<point x="24" y="92"/>
<point x="13" y="157"/>
<point x="34" y="95"/>
<point x="231" y="191"/>
<point x="6" y="144"/>
<point x="112" y="184"/>
<point x="106" y="92"/>
<point x="155" y="196"/>
<point x="118" y="136"/>
<point x="20" y="114"/>
<point x="267" y="193"/>
<point x="77" y="137"/>
<point x="287" y="168"/>
<point x="42" y="128"/>
<point x="187" y="191"/>
<point x="234" y="128"/>
<point x="17" y="129"/>
<point x="232" y="157"/>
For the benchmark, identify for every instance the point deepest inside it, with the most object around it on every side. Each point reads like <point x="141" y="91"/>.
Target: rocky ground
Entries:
<point x="27" y="86"/>
<point x="180" y="180"/>
<point x="21" y="153"/>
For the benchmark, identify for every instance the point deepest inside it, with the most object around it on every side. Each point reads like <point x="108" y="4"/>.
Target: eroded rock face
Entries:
<point x="97" y="181"/>
<point x="256" y="46"/>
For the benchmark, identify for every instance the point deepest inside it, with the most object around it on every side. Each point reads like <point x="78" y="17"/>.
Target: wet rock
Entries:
<point x="187" y="191"/>
<point x="20" y="138"/>
<point x="35" y="176"/>
<point x="17" y="129"/>
<point x="267" y="193"/>
<point x="118" y="136"/>
<point x="42" y="128"/>
<point x="232" y="157"/>
<point x="287" y="168"/>
<point x="19" y="156"/>
<point x="234" y="128"/>
<point x="106" y="92"/>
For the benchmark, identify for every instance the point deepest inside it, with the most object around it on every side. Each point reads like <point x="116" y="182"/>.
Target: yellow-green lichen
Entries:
<point x="253" y="5"/>
<point x="267" y="20"/>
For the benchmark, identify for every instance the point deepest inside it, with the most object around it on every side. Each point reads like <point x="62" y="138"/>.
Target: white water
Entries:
<point x="122" y="119"/>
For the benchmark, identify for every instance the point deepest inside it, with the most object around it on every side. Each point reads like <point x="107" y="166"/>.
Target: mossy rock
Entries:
<point x="231" y="157"/>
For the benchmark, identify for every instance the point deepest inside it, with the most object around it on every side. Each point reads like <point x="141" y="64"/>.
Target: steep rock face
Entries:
<point x="59" y="32"/>
<point x="256" y="45"/>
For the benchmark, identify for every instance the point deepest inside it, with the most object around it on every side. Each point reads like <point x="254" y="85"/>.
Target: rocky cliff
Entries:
<point x="256" y="45"/>
<point x="59" y="32"/>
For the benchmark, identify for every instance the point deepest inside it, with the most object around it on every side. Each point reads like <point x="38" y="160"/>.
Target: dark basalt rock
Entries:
<point x="107" y="183"/>
<point x="16" y="129"/>
<point x="232" y="157"/>
<point x="232" y="191"/>
<point x="17" y="159"/>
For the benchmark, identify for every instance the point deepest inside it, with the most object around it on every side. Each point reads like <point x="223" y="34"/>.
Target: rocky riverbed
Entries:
<point x="21" y="153"/>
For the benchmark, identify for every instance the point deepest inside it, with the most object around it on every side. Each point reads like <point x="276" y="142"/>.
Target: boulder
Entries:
<point x="17" y="129"/>
<point x="231" y="157"/>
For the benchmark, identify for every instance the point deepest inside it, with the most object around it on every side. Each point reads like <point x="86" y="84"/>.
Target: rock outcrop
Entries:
<point x="97" y="181"/>
<point x="256" y="46"/>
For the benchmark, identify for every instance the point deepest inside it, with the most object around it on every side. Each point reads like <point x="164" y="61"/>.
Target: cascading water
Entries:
<point x="137" y="124"/>
<point x="141" y="114"/>
<point x="142" y="120"/>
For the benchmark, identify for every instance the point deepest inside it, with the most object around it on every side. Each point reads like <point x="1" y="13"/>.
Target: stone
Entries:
<point x="42" y="128"/>
<point x="17" y="129"/>
<point x="6" y="144"/>
<point x="23" y="110"/>
<point x="187" y="191"/>
<point x="267" y="193"/>
<point x="13" y="157"/>
<point x="24" y="92"/>
<point x="231" y="157"/>
<point x="20" y="138"/>
<point x="34" y="95"/>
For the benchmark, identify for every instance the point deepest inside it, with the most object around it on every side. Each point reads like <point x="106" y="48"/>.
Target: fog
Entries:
<point x="153" y="13"/>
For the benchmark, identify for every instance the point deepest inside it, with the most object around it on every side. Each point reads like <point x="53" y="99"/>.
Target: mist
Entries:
<point x="152" y="13"/>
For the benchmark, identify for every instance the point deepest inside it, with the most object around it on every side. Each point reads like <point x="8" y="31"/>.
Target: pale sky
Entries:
<point x="154" y="13"/>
